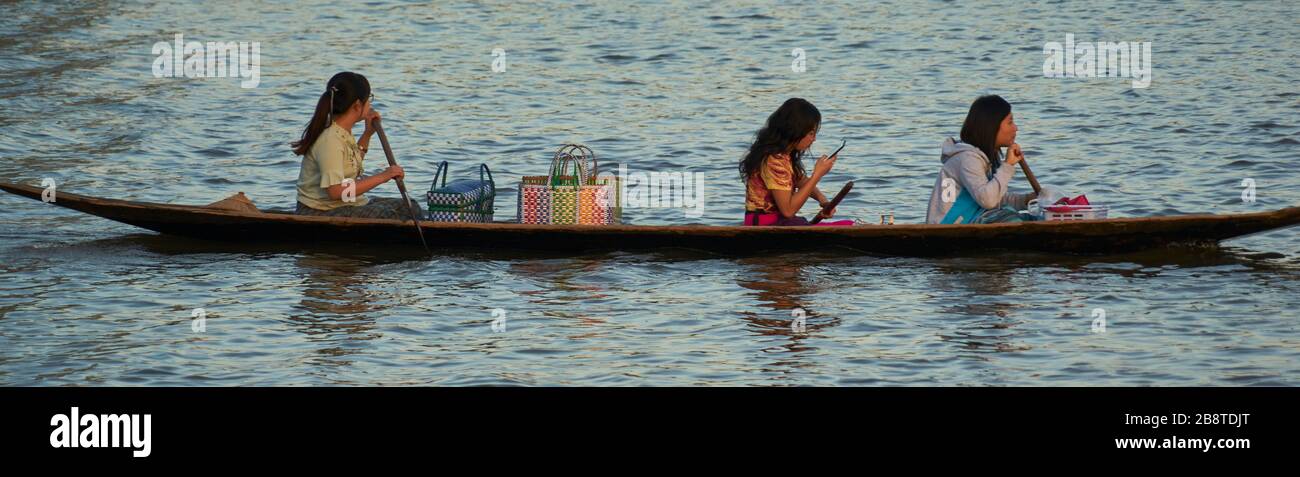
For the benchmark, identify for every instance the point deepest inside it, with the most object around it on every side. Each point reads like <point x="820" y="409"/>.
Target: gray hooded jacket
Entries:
<point x="969" y="170"/>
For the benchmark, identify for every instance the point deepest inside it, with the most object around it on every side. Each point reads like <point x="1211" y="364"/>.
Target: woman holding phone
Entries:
<point x="776" y="183"/>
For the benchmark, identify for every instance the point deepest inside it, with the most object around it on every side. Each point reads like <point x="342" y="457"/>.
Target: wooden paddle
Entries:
<point x="401" y="186"/>
<point x="1033" y="181"/>
<point x="834" y="202"/>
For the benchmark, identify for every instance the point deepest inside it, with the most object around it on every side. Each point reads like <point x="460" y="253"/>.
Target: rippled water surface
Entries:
<point x="659" y="86"/>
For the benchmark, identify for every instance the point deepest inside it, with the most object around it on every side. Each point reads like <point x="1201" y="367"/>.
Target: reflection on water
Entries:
<point x="570" y="282"/>
<point x="779" y="285"/>
<point x="337" y="308"/>
<point x="84" y="301"/>
<point x="985" y="320"/>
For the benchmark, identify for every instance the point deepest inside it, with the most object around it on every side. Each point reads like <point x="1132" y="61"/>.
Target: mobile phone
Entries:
<point x="837" y="151"/>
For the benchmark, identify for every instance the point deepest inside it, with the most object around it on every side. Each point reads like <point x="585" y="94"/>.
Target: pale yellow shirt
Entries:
<point x="334" y="157"/>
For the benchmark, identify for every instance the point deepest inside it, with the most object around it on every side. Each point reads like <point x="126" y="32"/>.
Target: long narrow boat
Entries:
<point x="1089" y="236"/>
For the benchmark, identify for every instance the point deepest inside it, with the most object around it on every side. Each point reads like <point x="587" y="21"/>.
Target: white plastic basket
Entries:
<point x="1075" y="212"/>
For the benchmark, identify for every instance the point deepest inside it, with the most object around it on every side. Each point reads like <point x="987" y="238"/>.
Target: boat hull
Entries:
<point x="1093" y="236"/>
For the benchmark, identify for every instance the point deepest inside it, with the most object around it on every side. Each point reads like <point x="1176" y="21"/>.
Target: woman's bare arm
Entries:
<point x="362" y="186"/>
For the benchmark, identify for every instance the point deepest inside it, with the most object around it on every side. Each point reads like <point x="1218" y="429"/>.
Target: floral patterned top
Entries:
<point x="776" y="173"/>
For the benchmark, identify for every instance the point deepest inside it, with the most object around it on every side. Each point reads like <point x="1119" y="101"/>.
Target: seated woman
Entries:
<point x="972" y="184"/>
<point x="330" y="182"/>
<point x="776" y="184"/>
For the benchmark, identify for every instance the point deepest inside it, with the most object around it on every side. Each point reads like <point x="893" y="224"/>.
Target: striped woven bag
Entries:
<point x="571" y="193"/>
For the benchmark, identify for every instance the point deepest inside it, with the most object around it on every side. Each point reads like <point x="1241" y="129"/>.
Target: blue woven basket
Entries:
<point x="464" y="200"/>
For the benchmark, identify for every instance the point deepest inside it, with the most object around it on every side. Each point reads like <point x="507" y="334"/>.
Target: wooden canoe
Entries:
<point x="1091" y="236"/>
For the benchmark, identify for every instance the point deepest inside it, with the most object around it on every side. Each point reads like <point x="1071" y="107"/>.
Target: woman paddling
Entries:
<point x="776" y="184"/>
<point x="973" y="183"/>
<point x="330" y="182"/>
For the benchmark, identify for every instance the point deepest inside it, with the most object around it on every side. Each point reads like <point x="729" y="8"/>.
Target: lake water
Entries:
<point x="657" y="86"/>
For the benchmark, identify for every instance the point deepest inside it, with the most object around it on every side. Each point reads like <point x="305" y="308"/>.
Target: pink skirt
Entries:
<point x="755" y="218"/>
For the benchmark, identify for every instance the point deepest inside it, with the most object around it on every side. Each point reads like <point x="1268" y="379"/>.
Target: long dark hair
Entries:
<point x="340" y="92"/>
<point x="785" y="127"/>
<point x="981" y="126"/>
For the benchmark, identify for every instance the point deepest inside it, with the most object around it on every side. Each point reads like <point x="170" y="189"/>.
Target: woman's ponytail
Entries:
<point x="341" y="92"/>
